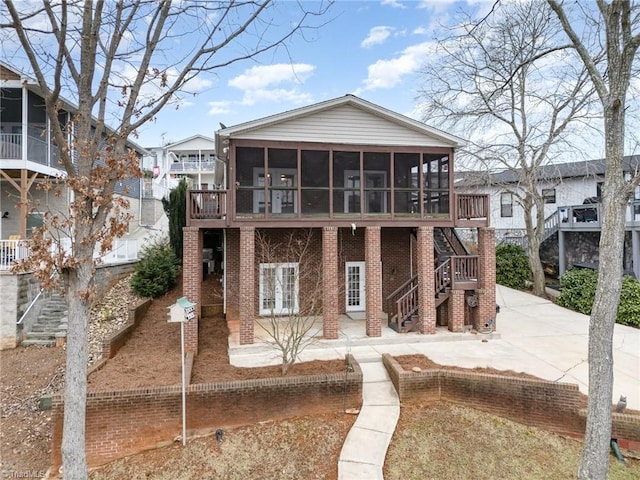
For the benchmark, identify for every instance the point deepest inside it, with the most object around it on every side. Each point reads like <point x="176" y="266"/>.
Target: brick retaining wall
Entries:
<point x="121" y="423"/>
<point x="558" y="407"/>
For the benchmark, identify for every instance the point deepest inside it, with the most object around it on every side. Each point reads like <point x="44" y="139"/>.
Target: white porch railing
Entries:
<point x="12" y="250"/>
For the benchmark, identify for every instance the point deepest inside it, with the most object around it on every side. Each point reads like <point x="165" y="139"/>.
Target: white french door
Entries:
<point x="355" y="286"/>
<point x="278" y="288"/>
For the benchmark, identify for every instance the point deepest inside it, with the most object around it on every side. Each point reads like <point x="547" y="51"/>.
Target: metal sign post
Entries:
<point x="182" y="311"/>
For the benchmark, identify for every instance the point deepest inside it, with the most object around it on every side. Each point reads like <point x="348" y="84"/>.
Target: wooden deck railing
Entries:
<point x="464" y="270"/>
<point x="472" y="207"/>
<point x="207" y="204"/>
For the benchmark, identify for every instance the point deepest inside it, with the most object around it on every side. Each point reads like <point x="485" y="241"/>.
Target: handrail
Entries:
<point x="442" y="276"/>
<point x="394" y="297"/>
<point x="551" y="225"/>
<point x="33" y="302"/>
<point x="454" y="241"/>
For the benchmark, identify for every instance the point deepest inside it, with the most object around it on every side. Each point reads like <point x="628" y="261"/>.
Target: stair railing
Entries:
<point x="33" y="302"/>
<point x="442" y="276"/>
<point x="457" y="246"/>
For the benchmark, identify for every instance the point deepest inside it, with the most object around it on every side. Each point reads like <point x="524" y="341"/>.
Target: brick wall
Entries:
<point x="373" y="269"/>
<point x="232" y="274"/>
<point x="330" y="282"/>
<point x="425" y="270"/>
<point x="192" y="282"/>
<point x="555" y="406"/>
<point x="485" y="319"/>
<point x="246" y="294"/>
<point x="456" y="310"/>
<point x="122" y="423"/>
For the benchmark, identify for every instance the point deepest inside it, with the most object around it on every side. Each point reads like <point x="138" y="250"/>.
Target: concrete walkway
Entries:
<point x="533" y="336"/>
<point x="365" y="447"/>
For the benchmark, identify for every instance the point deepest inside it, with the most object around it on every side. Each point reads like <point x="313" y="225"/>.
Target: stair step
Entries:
<point x="46" y="343"/>
<point x="40" y="336"/>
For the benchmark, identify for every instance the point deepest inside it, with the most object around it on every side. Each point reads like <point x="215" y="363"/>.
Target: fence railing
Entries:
<point x="471" y="206"/>
<point x="13" y="250"/>
<point x="207" y="204"/>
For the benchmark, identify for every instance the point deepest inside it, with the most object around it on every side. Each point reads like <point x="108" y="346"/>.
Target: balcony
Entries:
<point x="588" y="217"/>
<point x="193" y="166"/>
<point x="212" y="208"/>
<point x="38" y="149"/>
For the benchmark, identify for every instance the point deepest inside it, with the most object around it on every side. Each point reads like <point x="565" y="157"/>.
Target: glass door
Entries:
<point x="355" y="286"/>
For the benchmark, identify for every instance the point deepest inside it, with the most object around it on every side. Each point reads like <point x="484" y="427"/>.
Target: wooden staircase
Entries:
<point x="456" y="269"/>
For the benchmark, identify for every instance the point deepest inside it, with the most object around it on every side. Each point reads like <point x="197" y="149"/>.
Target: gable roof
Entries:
<point x="244" y="129"/>
<point x="188" y="140"/>
<point x="585" y="168"/>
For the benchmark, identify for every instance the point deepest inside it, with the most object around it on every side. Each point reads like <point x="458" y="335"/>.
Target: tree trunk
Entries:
<point x="534" y="236"/>
<point x="594" y="461"/>
<point x="74" y="460"/>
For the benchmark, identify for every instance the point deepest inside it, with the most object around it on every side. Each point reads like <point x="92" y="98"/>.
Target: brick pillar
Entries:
<point x="486" y="314"/>
<point x="247" y="284"/>
<point x="192" y="282"/>
<point x="330" y="290"/>
<point x="426" y="278"/>
<point x="455" y="312"/>
<point x="373" y="280"/>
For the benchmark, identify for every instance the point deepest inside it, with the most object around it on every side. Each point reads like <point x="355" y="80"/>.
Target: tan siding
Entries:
<point x="6" y="74"/>
<point x="343" y="124"/>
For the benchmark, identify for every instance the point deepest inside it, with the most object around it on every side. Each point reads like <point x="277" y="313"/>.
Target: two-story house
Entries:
<point x="29" y="161"/>
<point x="375" y="188"/>
<point x="572" y="209"/>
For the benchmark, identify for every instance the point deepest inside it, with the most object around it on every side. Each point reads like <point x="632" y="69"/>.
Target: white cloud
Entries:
<point x="421" y="31"/>
<point x="392" y="3"/>
<point x="219" y="108"/>
<point x="263" y="76"/>
<point x="389" y="73"/>
<point x="251" y="97"/>
<point x="377" y="35"/>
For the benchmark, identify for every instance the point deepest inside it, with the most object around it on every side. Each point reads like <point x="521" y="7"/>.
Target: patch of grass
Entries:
<point x="451" y="442"/>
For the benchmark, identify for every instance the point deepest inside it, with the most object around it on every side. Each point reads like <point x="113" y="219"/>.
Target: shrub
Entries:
<point x="629" y="308"/>
<point x="157" y="270"/>
<point x="512" y="266"/>
<point x="578" y="289"/>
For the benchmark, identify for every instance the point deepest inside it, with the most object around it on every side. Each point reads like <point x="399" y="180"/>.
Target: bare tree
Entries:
<point x="510" y="86"/>
<point x="121" y="62"/>
<point x="618" y="23"/>
<point x="287" y="266"/>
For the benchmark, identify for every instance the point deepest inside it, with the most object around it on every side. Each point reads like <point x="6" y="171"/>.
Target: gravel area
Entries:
<point x="109" y="315"/>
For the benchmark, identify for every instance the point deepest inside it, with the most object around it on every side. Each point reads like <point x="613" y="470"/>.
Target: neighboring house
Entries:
<point x="572" y="194"/>
<point x="376" y="190"/>
<point x="193" y="158"/>
<point x="29" y="160"/>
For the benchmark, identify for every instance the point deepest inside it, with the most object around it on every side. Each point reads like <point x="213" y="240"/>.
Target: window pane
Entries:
<point x="268" y="288"/>
<point x="315" y="202"/>
<point x="315" y="168"/>
<point x="288" y="288"/>
<point x="247" y="159"/>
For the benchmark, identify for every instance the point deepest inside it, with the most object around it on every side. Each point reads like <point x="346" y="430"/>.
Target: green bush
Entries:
<point x="512" y="266"/>
<point x="629" y="308"/>
<point x="578" y="291"/>
<point x="156" y="272"/>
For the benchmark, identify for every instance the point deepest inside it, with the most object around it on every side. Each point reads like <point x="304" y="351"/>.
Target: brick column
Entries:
<point x="373" y="280"/>
<point x="455" y="312"/>
<point x="192" y="282"/>
<point x="247" y="284"/>
<point x="426" y="278"/>
<point x="486" y="314"/>
<point x="330" y="290"/>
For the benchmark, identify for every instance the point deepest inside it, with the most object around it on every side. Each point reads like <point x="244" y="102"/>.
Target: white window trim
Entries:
<point x="279" y="309"/>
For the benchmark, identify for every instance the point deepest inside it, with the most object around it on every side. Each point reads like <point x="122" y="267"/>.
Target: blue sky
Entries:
<point x="372" y="49"/>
